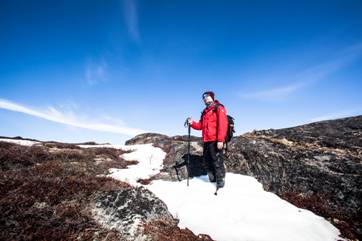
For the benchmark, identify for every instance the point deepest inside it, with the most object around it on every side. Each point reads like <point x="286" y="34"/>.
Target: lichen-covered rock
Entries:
<point x="128" y="210"/>
<point x="323" y="157"/>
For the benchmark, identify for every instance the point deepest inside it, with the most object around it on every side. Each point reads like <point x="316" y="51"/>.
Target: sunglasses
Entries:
<point x="205" y="96"/>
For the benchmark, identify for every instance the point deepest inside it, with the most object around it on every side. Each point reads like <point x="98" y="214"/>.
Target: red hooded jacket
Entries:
<point x="214" y="124"/>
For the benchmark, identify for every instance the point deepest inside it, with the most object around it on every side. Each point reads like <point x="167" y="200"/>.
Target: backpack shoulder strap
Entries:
<point x="217" y="118"/>
<point x="216" y="106"/>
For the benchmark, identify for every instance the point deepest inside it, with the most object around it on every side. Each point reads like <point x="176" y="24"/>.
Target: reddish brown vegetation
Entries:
<point x="318" y="203"/>
<point x="144" y="181"/>
<point x="161" y="231"/>
<point x="45" y="192"/>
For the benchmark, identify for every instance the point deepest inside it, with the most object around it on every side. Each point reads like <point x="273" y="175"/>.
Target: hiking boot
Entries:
<point x="220" y="183"/>
<point x="211" y="177"/>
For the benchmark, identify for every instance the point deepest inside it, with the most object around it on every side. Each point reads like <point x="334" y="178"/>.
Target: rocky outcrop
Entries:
<point x="320" y="157"/>
<point x="129" y="210"/>
<point x="316" y="166"/>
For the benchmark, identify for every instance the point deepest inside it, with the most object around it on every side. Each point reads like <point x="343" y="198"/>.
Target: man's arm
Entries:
<point x="197" y="125"/>
<point x="222" y="124"/>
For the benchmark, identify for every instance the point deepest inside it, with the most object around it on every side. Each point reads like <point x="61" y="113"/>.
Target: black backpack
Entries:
<point x="230" y="132"/>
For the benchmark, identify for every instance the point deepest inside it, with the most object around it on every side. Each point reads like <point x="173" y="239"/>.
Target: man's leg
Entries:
<point x="209" y="161"/>
<point x="218" y="162"/>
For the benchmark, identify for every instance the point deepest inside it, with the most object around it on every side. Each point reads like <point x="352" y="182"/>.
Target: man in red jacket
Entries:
<point x="214" y="125"/>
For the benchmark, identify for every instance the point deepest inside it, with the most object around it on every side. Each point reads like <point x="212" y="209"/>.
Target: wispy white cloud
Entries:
<point x="306" y="77"/>
<point x="130" y="14"/>
<point x="96" y="72"/>
<point x="336" y="115"/>
<point x="277" y="93"/>
<point x="69" y="118"/>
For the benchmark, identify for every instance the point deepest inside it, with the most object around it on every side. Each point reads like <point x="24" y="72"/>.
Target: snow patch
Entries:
<point x="20" y="142"/>
<point x="150" y="162"/>
<point x="242" y="210"/>
<point x="103" y="146"/>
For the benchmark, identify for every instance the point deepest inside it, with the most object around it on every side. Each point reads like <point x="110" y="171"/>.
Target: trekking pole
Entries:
<point x="188" y="150"/>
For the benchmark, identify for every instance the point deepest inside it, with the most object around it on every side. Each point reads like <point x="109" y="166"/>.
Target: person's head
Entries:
<point x="208" y="97"/>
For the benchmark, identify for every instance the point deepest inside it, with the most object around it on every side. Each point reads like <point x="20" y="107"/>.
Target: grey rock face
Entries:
<point x="319" y="157"/>
<point x="129" y="210"/>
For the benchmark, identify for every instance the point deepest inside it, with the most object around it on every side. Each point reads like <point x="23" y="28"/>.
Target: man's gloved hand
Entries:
<point x="189" y="120"/>
<point x="220" y="145"/>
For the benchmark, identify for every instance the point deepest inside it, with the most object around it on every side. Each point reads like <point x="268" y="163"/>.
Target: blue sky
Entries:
<point x="107" y="70"/>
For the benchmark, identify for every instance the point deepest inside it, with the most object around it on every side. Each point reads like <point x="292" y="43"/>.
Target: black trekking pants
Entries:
<point x="214" y="159"/>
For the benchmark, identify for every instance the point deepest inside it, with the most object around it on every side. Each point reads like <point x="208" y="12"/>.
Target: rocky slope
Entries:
<point x="57" y="191"/>
<point x="317" y="166"/>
